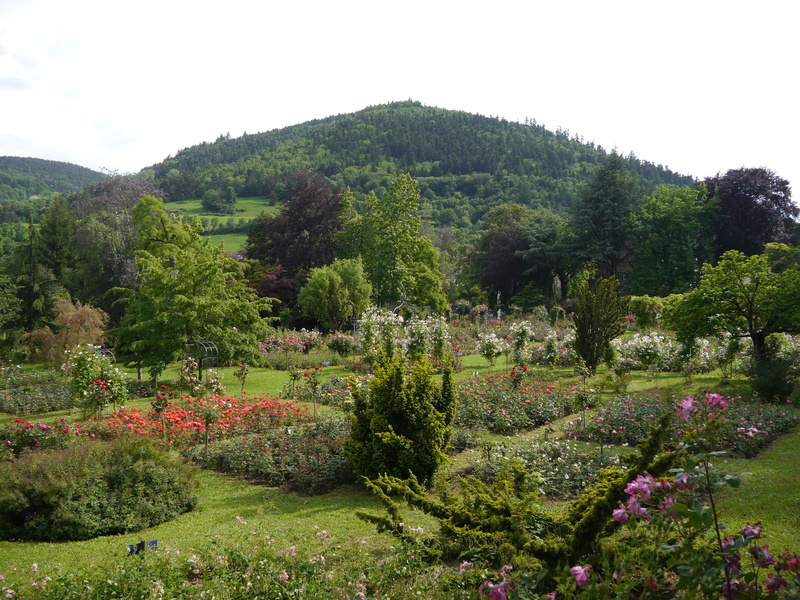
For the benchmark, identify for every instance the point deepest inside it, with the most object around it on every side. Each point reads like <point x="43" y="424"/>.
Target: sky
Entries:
<point x="698" y="86"/>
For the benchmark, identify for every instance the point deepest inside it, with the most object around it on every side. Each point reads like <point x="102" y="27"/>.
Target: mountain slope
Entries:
<point x="21" y="178"/>
<point x="464" y="163"/>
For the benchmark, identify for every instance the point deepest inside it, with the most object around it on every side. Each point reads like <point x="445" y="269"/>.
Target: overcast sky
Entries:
<point x="698" y="86"/>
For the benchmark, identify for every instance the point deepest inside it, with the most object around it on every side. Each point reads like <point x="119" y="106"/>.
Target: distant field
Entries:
<point x="248" y="208"/>
<point x="229" y="241"/>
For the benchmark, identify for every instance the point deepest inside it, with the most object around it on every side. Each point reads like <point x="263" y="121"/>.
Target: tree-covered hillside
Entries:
<point x="21" y="178"/>
<point x="463" y="163"/>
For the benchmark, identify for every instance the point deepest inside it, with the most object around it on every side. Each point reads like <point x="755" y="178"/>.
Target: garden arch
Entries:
<point x="204" y="352"/>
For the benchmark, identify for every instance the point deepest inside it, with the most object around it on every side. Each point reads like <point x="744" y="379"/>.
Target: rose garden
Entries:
<point x="472" y="458"/>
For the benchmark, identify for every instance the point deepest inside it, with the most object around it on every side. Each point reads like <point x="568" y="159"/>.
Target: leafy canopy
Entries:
<point x="188" y="290"/>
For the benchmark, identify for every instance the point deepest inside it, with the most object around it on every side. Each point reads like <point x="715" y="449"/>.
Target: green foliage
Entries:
<point x="217" y="201"/>
<point x="94" y="380"/>
<point x="503" y="523"/>
<point x="604" y="205"/>
<point x="743" y="297"/>
<point x="187" y="291"/>
<point x="672" y="233"/>
<point x="21" y="178"/>
<point x="336" y="293"/>
<point x="465" y="163"/>
<point x="598" y="319"/>
<point x="90" y="489"/>
<point x="399" y="262"/>
<point x="647" y="310"/>
<point x="401" y="423"/>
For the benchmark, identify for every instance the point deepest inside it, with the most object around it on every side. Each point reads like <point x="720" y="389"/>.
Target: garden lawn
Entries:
<point x="230" y="512"/>
<point x="769" y="494"/>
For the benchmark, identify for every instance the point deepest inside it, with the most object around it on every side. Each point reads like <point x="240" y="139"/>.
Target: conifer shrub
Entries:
<point x="92" y="488"/>
<point x="402" y="422"/>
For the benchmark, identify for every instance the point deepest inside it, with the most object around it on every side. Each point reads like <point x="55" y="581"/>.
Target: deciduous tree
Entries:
<point x="302" y="235"/>
<point x="399" y="261"/>
<point x="672" y="235"/>
<point x="192" y="292"/>
<point x="755" y="208"/>
<point x="336" y="293"/>
<point x="743" y="296"/>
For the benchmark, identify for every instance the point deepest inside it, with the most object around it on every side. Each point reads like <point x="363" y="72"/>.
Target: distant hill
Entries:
<point x="21" y="178"/>
<point x="464" y="163"/>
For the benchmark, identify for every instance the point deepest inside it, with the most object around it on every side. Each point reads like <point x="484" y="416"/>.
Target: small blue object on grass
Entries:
<point x="141" y="547"/>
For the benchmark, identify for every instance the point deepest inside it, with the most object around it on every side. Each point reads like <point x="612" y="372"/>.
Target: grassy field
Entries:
<point x="229" y="241"/>
<point x="249" y="208"/>
<point x="246" y="208"/>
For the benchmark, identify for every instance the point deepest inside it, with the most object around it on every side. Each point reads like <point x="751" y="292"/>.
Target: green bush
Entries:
<point x="90" y="489"/>
<point x="401" y="422"/>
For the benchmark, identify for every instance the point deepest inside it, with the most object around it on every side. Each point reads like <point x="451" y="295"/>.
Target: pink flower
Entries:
<point x="753" y="531"/>
<point x="493" y="591"/>
<point x="642" y="486"/>
<point x="716" y="401"/>
<point x="775" y="582"/>
<point x="620" y="514"/>
<point x="581" y="574"/>
<point x="761" y="555"/>
<point x="635" y="507"/>
<point x="687" y="406"/>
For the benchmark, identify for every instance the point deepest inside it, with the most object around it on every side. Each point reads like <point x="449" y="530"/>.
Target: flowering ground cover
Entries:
<point x="184" y="418"/>
<point x="746" y="429"/>
<point x="511" y="403"/>
<point x="306" y="458"/>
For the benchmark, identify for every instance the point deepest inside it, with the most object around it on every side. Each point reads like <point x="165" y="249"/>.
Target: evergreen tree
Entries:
<point x="57" y="231"/>
<point x="35" y="282"/>
<point x="598" y="319"/>
<point x="599" y="220"/>
<point x="402" y="423"/>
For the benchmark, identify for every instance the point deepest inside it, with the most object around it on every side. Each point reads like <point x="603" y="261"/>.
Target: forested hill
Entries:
<point x="464" y="163"/>
<point x="21" y="178"/>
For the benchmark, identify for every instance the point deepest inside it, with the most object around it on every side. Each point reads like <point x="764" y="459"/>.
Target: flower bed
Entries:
<point x="187" y="417"/>
<point x="748" y="426"/>
<point x="508" y="403"/>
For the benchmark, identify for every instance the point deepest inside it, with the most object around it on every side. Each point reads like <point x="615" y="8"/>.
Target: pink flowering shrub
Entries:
<point x="745" y="429"/>
<point x="507" y="404"/>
